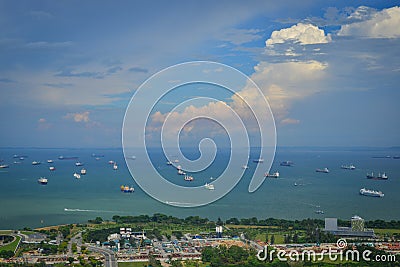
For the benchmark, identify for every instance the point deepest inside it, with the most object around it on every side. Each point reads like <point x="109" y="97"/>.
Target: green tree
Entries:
<point x="295" y="238"/>
<point x="6" y="254"/>
<point x="74" y="248"/>
<point x="272" y="239"/>
<point x="70" y="260"/>
<point x="176" y="264"/>
<point x="153" y="262"/>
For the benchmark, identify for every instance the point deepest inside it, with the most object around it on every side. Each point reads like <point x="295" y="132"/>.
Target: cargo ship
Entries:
<point x="378" y="177"/>
<point x="42" y="180"/>
<point x="348" y="167"/>
<point x="287" y="163"/>
<point x="127" y="189"/>
<point x="272" y="175"/>
<point x="209" y="186"/>
<point x="324" y="170"/>
<point x="371" y="193"/>
<point x="188" y="178"/>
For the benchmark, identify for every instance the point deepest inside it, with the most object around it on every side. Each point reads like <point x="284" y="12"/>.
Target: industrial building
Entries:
<point x="357" y="228"/>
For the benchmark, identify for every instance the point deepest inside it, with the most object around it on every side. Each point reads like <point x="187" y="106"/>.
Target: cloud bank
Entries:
<point x="382" y="24"/>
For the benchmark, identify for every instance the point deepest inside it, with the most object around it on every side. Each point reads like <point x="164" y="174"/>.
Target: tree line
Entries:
<point x="283" y="224"/>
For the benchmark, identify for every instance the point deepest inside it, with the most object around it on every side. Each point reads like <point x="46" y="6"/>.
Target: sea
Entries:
<point x="298" y="193"/>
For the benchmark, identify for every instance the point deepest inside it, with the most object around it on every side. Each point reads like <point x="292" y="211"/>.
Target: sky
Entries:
<point x="330" y="70"/>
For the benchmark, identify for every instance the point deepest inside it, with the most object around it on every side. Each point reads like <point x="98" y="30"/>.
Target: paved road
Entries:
<point x="108" y="254"/>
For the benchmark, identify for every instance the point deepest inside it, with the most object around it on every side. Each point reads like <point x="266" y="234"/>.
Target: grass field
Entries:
<point x="5" y="232"/>
<point x="12" y="246"/>
<point x="27" y="232"/>
<point x="387" y="231"/>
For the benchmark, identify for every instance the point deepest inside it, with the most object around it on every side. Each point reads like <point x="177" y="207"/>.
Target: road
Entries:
<point x="109" y="256"/>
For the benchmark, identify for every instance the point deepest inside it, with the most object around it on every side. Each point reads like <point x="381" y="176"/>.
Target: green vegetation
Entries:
<point x="160" y="226"/>
<point x="5" y="232"/>
<point x="27" y="232"/>
<point x="6" y="254"/>
<point x="132" y="264"/>
<point x="6" y="238"/>
<point x="240" y="257"/>
<point x="41" y="264"/>
<point x="98" y="220"/>
<point x="11" y="246"/>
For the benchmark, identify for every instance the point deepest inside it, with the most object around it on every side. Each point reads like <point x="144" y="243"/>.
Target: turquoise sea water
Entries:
<point x="66" y="200"/>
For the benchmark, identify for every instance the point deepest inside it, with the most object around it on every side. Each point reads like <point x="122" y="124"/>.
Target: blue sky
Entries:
<point x="329" y="69"/>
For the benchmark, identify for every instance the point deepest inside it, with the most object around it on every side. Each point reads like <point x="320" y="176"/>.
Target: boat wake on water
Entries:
<point x="82" y="210"/>
<point x="311" y="205"/>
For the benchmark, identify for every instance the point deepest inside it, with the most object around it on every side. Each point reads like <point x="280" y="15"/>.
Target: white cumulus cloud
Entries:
<point x="283" y="83"/>
<point x="78" y="117"/>
<point x="382" y="24"/>
<point x="300" y="33"/>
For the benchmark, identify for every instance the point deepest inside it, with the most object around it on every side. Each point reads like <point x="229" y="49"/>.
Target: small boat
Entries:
<point x="83" y="171"/>
<point x="115" y="166"/>
<point x="49" y="161"/>
<point x="180" y="172"/>
<point x="188" y="178"/>
<point x="52" y="168"/>
<point x="348" y="167"/>
<point x="111" y="162"/>
<point x="371" y="193"/>
<point x="378" y="177"/>
<point x="272" y="175"/>
<point x="42" y="180"/>
<point x="209" y="186"/>
<point x="17" y="162"/>
<point x="179" y="167"/>
<point x="324" y="170"/>
<point x="287" y="163"/>
<point x="77" y="175"/>
<point x="78" y="163"/>
<point x="245" y="167"/>
<point x="319" y="212"/>
<point x="396" y="157"/>
<point x="260" y="160"/>
<point x="4" y="166"/>
<point x="176" y="161"/>
<point x="169" y="163"/>
<point x="36" y="162"/>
